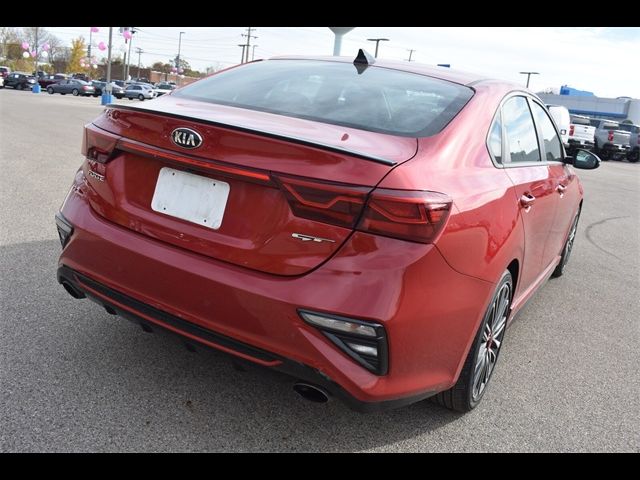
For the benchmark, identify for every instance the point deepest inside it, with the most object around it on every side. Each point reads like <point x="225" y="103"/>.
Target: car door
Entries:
<point x="535" y="190"/>
<point x="562" y="176"/>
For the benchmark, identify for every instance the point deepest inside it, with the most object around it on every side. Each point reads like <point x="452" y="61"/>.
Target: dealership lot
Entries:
<point x="73" y="378"/>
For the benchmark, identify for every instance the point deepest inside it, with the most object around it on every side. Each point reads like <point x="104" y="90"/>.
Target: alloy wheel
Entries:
<point x="491" y="341"/>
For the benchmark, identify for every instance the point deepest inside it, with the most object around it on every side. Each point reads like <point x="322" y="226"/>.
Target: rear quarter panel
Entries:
<point x="483" y="234"/>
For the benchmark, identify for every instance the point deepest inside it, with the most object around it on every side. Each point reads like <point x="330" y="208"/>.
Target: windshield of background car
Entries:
<point x="378" y="99"/>
<point x="629" y="128"/>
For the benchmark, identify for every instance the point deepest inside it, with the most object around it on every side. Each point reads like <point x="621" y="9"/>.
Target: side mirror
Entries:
<point x="584" y="160"/>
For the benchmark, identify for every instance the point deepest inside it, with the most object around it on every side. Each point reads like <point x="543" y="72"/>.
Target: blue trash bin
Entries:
<point x="36" y="88"/>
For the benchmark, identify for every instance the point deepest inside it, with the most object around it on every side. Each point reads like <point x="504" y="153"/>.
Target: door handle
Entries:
<point x="560" y="189"/>
<point x="526" y="201"/>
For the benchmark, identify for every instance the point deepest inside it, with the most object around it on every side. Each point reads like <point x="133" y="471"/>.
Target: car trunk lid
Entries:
<point x="294" y="185"/>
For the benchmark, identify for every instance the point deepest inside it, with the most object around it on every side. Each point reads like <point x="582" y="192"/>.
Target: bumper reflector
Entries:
<point x="364" y="342"/>
<point x="65" y="229"/>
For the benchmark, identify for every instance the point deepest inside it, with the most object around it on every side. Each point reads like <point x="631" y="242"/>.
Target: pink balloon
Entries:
<point x="46" y="47"/>
<point x="95" y="29"/>
<point x="102" y="46"/>
<point x="25" y="45"/>
<point x="33" y="53"/>
<point x="127" y="34"/>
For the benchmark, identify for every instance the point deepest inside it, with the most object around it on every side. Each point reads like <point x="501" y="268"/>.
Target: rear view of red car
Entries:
<point x="366" y="227"/>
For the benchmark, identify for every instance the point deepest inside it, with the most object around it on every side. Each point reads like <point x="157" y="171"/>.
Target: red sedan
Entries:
<point x="368" y="227"/>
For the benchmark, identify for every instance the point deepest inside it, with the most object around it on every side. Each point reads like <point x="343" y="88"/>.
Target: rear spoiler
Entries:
<point x="243" y="128"/>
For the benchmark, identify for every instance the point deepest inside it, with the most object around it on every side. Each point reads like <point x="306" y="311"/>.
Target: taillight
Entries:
<point x="84" y="87"/>
<point x="571" y="130"/>
<point x="337" y="204"/>
<point x="417" y="216"/>
<point x="98" y="145"/>
<point x="610" y="137"/>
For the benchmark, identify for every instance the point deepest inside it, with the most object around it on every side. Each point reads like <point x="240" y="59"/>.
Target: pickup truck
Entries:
<point x="634" y="141"/>
<point x="581" y="134"/>
<point x="611" y="141"/>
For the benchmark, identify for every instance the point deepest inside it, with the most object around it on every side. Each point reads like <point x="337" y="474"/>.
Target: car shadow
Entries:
<point x="140" y="392"/>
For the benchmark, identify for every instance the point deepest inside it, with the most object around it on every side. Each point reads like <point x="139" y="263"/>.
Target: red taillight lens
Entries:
<point x="610" y="137"/>
<point x="417" y="216"/>
<point x="572" y="129"/>
<point x="84" y="87"/>
<point x="97" y="144"/>
<point x="337" y="204"/>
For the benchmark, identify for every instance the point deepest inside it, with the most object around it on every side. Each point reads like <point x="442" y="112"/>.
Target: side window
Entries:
<point x="495" y="139"/>
<point x="552" y="144"/>
<point x="520" y="131"/>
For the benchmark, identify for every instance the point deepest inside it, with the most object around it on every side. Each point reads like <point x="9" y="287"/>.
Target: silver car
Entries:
<point x="139" y="91"/>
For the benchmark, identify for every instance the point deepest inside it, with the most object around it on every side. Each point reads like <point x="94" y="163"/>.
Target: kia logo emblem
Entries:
<point x="186" y="138"/>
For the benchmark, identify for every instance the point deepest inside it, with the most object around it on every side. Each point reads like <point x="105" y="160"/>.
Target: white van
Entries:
<point x="562" y="118"/>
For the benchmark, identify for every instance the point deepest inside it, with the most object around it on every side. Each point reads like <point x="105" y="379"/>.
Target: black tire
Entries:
<point x="463" y="396"/>
<point x="130" y="98"/>
<point x="634" y="156"/>
<point x="566" y="249"/>
<point x="50" y="91"/>
<point x="141" y="97"/>
<point x="18" y="86"/>
<point x="75" y="92"/>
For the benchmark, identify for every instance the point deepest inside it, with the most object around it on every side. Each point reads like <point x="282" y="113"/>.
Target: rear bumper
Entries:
<point x="145" y="315"/>
<point x="429" y="311"/>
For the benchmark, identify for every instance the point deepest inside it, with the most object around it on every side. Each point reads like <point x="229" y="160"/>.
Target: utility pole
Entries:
<point x="248" y="44"/>
<point x="89" y="47"/>
<point x="253" y="52"/>
<point x="139" y="50"/>
<point x="410" y="50"/>
<point x="528" y="74"/>
<point x="178" y="57"/>
<point x="129" y="55"/>
<point x="244" y="46"/>
<point x="124" y="67"/>
<point x="377" y="40"/>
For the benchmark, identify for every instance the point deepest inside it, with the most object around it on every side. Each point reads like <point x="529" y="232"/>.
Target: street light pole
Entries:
<point x="129" y="54"/>
<point x="528" y="74"/>
<point x="253" y="52"/>
<point x="106" y="95"/>
<point x="377" y="40"/>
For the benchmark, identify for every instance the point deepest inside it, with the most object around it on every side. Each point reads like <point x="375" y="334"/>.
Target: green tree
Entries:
<point x="78" y="52"/>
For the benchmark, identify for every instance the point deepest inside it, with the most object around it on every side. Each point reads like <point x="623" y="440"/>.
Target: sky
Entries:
<point x="604" y="60"/>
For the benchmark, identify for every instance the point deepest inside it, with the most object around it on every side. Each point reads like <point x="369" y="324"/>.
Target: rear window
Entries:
<point x="629" y="128"/>
<point x="378" y="99"/>
<point x="580" y="121"/>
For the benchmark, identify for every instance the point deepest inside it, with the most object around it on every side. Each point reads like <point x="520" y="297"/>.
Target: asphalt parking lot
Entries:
<point x="73" y="378"/>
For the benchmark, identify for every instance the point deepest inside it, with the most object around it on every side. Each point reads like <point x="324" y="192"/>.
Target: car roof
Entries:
<point x="443" y="73"/>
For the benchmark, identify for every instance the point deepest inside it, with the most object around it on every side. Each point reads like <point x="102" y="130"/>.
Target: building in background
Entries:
<point x="586" y="103"/>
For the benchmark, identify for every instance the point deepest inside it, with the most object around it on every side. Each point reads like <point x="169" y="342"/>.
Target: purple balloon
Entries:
<point x="25" y="45"/>
<point x="46" y="47"/>
<point x="33" y="53"/>
<point x="127" y="34"/>
<point x="95" y="29"/>
<point x="102" y="46"/>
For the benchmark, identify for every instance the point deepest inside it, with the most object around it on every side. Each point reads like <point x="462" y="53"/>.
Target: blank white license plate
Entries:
<point x="190" y="197"/>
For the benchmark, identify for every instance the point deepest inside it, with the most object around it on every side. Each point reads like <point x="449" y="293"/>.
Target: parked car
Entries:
<point x="73" y="86"/>
<point x="4" y="71"/>
<point x="581" y="134"/>
<point x="20" y="81"/>
<point x="610" y="140"/>
<point x="116" y="90"/>
<point x="81" y="76"/>
<point x="163" y="88"/>
<point x="51" y="79"/>
<point x="633" y="154"/>
<point x="332" y="225"/>
<point x="560" y="115"/>
<point x="139" y="91"/>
